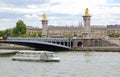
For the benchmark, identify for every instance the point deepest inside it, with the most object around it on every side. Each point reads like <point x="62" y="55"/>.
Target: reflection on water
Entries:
<point x="73" y="64"/>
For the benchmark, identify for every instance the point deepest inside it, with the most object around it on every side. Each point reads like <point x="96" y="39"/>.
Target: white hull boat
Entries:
<point x="36" y="56"/>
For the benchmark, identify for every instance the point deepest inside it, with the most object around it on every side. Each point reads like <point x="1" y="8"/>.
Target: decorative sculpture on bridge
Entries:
<point x="44" y="16"/>
<point x="86" y="12"/>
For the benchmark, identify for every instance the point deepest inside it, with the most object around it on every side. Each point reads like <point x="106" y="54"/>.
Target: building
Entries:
<point x="113" y="29"/>
<point x="31" y="30"/>
<point x="97" y="31"/>
<point x="65" y="31"/>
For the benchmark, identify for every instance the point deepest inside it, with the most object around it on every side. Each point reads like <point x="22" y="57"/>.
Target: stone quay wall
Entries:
<point x="104" y="49"/>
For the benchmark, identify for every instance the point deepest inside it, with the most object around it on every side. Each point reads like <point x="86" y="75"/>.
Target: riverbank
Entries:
<point x="108" y="49"/>
<point x="16" y="48"/>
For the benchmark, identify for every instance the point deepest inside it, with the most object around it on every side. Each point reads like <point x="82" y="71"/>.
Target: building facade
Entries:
<point x="64" y="31"/>
<point x="70" y="31"/>
<point x="97" y="31"/>
<point x="31" y="30"/>
<point x="113" y="29"/>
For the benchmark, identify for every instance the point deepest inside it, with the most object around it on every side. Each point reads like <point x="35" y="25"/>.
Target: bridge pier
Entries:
<point x="44" y="28"/>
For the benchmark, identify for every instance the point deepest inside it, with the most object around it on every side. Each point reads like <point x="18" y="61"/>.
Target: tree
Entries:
<point x="114" y="35"/>
<point x="39" y="34"/>
<point x="5" y="33"/>
<point x="14" y="32"/>
<point x="1" y="33"/>
<point x="20" y="28"/>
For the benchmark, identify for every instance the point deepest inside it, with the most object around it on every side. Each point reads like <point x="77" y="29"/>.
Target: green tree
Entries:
<point x="14" y="32"/>
<point x="24" y="35"/>
<point x="7" y="32"/>
<point x="39" y="34"/>
<point x="1" y="33"/>
<point x="33" y="35"/>
<point x="114" y="35"/>
<point x="20" y="28"/>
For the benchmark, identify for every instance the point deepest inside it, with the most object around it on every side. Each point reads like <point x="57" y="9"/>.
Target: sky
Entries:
<point x="59" y="12"/>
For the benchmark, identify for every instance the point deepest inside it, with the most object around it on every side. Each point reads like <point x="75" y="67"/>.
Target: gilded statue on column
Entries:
<point x="86" y="12"/>
<point x="44" y="17"/>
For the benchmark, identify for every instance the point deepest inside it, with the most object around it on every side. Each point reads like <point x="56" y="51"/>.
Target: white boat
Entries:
<point x="36" y="56"/>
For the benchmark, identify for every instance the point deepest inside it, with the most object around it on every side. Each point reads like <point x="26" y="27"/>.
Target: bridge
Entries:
<point x="50" y="44"/>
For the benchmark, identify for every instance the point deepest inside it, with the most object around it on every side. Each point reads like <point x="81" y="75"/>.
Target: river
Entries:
<point x="72" y="64"/>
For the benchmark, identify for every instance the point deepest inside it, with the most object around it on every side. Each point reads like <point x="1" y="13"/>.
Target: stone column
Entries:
<point x="87" y="28"/>
<point x="44" y="28"/>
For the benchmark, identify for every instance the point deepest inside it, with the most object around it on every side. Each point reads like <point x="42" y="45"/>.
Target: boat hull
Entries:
<point x="34" y="60"/>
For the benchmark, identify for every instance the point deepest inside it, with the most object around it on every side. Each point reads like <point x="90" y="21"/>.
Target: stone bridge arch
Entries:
<point x="77" y="43"/>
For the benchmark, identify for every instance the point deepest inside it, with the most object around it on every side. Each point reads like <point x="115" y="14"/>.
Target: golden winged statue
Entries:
<point x="86" y="12"/>
<point x="44" y="16"/>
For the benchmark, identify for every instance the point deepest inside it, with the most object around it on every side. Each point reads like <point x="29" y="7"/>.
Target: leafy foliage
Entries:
<point x="20" y="28"/>
<point x="114" y="35"/>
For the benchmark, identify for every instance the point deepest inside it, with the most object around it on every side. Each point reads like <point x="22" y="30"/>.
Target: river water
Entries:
<point x="72" y="64"/>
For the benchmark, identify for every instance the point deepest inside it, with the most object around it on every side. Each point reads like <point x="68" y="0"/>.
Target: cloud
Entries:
<point x="19" y="10"/>
<point x="60" y="6"/>
<point x="32" y="6"/>
<point x="32" y="16"/>
<point x="61" y="12"/>
<point x="7" y="23"/>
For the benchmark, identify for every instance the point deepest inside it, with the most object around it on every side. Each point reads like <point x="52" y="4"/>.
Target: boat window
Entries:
<point x="35" y="54"/>
<point x="50" y="55"/>
<point x="19" y="54"/>
<point x="42" y="55"/>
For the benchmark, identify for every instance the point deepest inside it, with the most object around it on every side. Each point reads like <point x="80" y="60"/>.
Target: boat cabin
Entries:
<point x="36" y="56"/>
